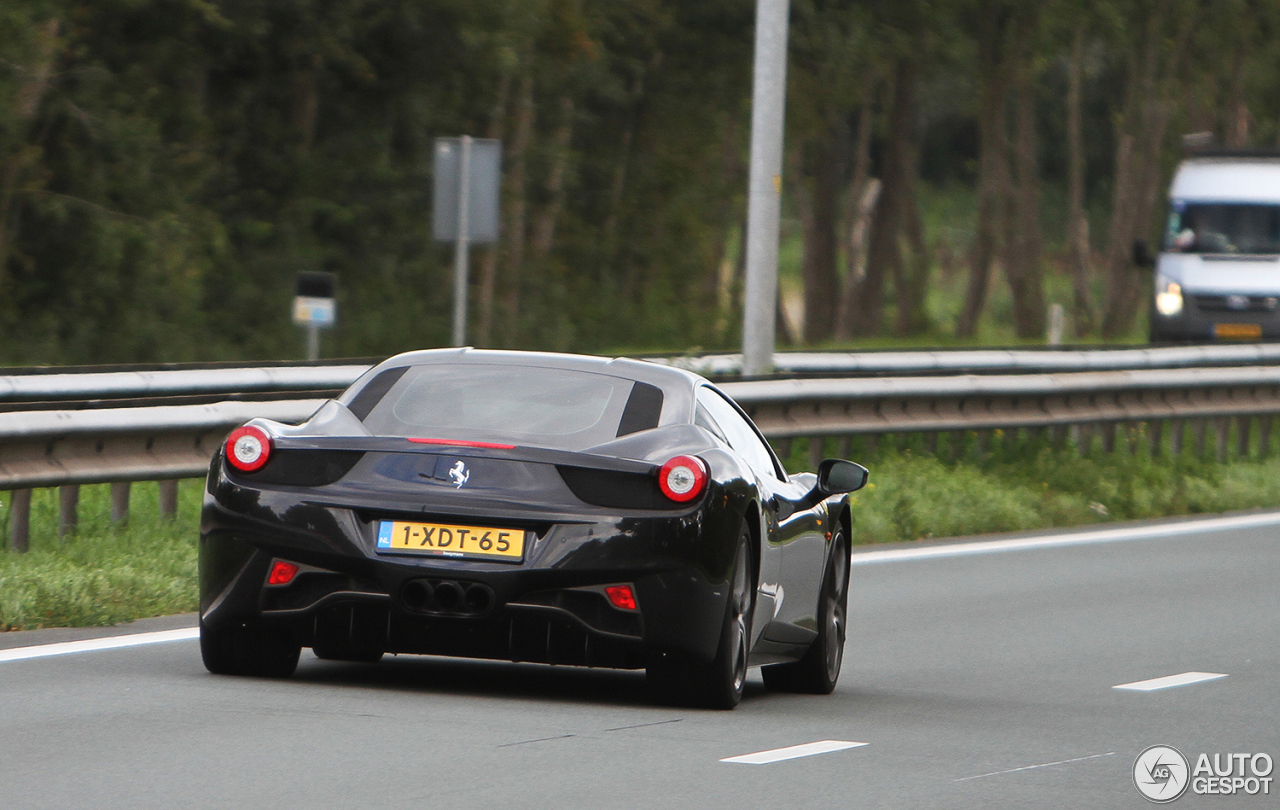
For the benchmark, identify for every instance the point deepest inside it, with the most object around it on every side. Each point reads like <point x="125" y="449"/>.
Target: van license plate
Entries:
<point x="1237" y="331"/>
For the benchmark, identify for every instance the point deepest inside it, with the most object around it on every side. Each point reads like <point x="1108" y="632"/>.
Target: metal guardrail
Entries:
<point x="69" y="447"/>
<point x="990" y="361"/>
<point x="110" y="385"/>
<point x="57" y="448"/>
<point x="791" y="408"/>
<point x="44" y="385"/>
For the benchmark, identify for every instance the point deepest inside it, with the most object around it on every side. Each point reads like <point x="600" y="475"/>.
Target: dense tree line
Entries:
<point x="167" y="166"/>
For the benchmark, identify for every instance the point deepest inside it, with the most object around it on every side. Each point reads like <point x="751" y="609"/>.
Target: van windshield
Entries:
<point x="1249" y="228"/>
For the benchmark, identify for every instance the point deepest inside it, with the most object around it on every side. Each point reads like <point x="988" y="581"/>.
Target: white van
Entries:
<point x="1218" y="273"/>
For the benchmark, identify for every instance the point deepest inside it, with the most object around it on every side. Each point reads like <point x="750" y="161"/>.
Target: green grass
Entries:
<point x="102" y="574"/>
<point x="914" y="495"/>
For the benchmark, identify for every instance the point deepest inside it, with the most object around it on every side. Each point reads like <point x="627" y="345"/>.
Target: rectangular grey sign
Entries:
<point x="482" y="193"/>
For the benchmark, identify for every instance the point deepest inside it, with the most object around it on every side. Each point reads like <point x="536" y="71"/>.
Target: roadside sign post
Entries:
<point x="462" y="248"/>
<point x="465" y="202"/>
<point x="314" y="307"/>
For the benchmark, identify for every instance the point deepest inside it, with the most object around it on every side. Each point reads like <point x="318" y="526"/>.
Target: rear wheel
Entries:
<point x="246" y="648"/>
<point x="817" y="672"/>
<point x="717" y="684"/>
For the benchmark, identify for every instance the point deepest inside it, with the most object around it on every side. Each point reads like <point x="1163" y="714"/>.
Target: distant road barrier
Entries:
<point x="153" y="386"/>
<point x="1075" y="407"/>
<point x="84" y="442"/>
<point x="990" y="361"/>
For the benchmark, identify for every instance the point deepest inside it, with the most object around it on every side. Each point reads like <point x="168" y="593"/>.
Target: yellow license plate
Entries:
<point x="1237" y="331"/>
<point x="448" y="540"/>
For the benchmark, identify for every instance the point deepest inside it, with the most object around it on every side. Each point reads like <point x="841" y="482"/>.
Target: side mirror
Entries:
<point x="837" y="475"/>
<point x="1142" y="254"/>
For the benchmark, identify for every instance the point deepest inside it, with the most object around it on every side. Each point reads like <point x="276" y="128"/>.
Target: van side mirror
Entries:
<point x="1142" y="254"/>
<point x="837" y="476"/>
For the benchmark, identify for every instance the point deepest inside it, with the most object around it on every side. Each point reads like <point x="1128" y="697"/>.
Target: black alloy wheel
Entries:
<point x="817" y="672"/>
<point x="717" y="684"/>
<point x="248" y="649"/>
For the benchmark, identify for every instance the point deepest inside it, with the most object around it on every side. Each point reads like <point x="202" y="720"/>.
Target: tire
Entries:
<point x="248" y="649"/>
<point x="717" y="684"/>
<point x="817" y="672"/>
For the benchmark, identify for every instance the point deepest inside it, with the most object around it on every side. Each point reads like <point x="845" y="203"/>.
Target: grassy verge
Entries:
<point x="102" y="574"/>
<point x="915" y="495"/>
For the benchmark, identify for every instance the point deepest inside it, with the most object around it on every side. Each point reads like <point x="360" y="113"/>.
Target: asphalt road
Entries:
<point x="976" y="680"/>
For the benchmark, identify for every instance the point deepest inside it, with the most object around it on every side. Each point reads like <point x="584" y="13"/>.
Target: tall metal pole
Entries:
<point x="768" y="106"/>
<point x="461" y="248"/>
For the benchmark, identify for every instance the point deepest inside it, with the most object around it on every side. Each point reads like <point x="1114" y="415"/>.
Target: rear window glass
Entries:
<point x="544" y="407"/>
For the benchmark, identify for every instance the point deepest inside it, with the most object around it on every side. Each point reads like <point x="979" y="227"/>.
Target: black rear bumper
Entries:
<point x="551" y="609"/>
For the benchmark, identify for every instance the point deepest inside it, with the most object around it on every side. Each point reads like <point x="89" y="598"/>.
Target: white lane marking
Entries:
<point x="1033" y="767"/>
<point x="794" y="752"/>
<point x="1073" y="539"/>
<point x="1170" y="681"/>
<point x="93" y="644"/>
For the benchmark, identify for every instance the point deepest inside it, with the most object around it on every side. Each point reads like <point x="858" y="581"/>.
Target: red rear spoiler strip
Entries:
<point x="460" y="443"/>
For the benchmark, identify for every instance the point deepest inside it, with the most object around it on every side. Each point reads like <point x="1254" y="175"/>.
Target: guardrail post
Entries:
<point x="1242" y="436"/>
<point x="120" y="503"/>
<point x="1155" y="438"/>
<point x="1221" y="427"/>
<point x="1177" y="429"/>
<point x="169" y="499"/>
<point x="1109" y="437"/>
<point x="816" y="446"/>
<point x="1199" y="429"/>
<point x="68" y="509"/>
<point x="845" y="449"/>
<point x="1264" y="436"/>
<point x="20" y="520"/>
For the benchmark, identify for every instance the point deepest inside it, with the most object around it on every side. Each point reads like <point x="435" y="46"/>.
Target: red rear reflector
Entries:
<point x="282" y="573"/>
<point x="460" y="443"/>
<point x="683" y="478"/>
<point x="621" y="596"/>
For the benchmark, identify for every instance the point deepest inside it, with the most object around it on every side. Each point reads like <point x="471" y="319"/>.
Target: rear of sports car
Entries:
<point x="449" y="506"/>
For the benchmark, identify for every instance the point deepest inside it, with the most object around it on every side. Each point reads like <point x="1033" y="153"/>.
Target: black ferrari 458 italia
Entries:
<point x="528" y="507"/>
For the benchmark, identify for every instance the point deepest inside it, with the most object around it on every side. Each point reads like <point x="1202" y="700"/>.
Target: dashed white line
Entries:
<point x="793" y="752"/>
<point x="1033" y="767"/>
<point x="1073" y="539"/>
<point x="94" y="644"/>
<point x="1170" y="681"/>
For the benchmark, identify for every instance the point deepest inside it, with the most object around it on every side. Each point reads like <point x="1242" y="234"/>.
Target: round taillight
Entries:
<point x="683" y="478"/>
<point x="248" y="448"/>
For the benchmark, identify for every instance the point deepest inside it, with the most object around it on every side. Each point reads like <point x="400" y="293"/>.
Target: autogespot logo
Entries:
<point x="1161" y="773"/>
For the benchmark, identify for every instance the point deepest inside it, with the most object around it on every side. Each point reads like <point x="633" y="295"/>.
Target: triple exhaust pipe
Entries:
<point x="447" y="597"/>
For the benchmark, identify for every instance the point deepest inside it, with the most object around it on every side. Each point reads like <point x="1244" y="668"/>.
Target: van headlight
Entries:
<point x="1168" y="297"/>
